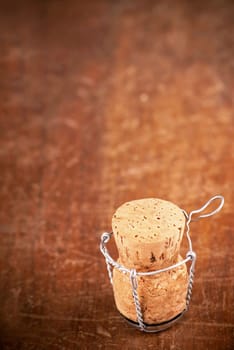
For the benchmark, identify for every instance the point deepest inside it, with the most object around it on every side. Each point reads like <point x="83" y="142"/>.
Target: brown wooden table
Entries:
<point x="103" y="102"/>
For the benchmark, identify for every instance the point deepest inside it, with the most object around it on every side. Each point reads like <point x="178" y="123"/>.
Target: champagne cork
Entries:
<point x="148" y="234"/>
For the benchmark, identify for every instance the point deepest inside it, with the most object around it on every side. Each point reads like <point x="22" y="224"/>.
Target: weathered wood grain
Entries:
<point x="103" y="102"/>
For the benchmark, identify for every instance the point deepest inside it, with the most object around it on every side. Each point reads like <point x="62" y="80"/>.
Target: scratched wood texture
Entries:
<point x="103" y="102"/>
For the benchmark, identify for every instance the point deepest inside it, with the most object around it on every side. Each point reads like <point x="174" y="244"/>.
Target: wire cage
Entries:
<point x="190" y="259"/>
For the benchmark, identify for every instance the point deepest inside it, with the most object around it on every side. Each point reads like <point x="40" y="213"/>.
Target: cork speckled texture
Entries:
<point x="148" y="232"/>
<point x="103" y="102"/>
<point x="162" y="297"/>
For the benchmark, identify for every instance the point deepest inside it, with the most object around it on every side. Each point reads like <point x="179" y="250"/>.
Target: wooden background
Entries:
<point x="103" y="102"/>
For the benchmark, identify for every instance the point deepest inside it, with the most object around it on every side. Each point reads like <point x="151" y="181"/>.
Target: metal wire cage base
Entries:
<point x="154" y="328"/>
<point x="133" y="274"/>
<point x="140" y="324"/>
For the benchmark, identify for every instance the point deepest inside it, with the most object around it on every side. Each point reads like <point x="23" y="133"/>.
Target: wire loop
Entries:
<point x="221" y="198"/>
<point x="190" y="215"/>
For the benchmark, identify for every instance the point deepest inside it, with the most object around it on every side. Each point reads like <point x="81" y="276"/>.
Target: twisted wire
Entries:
<point x="110" y="272"/>
<point x="133" y="279"/>
<point x="191" y="279"/>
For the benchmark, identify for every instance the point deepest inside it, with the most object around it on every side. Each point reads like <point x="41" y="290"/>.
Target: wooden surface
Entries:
<point x="103" y="102"/>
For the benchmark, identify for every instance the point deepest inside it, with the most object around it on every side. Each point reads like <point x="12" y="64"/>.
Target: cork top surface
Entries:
<point x="147" y="219"/>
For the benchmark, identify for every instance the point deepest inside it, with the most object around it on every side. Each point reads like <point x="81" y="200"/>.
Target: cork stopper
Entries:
<point x="148" y="233"/>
